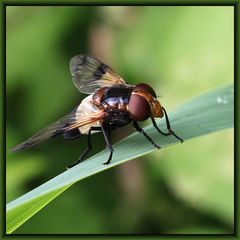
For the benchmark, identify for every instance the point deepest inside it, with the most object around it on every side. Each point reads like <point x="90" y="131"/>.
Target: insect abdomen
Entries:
<point x="72" y="134"/>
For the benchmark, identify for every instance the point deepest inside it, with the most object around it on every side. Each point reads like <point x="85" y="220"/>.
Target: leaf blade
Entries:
<point x="204" y="114"/>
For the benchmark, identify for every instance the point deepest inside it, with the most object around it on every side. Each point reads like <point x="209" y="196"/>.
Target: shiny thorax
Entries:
<point x="114" y="102"/>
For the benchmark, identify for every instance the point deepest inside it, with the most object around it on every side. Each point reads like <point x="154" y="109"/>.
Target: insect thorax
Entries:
<point x="115" y="97"/>
<point x="116" y="118"/>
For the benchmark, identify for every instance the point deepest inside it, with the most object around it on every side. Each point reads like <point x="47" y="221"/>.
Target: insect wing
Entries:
<point x="87" y="120"/>
<point x="65" y="124"/>
<point x="52" y="130"/>
<point x="89" y="74"/>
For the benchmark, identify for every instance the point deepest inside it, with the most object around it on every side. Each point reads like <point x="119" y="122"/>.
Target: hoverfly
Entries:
<point x="111" y="104"/>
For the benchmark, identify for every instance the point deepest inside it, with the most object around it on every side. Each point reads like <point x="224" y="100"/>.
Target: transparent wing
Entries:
<point x="64" y="124"/>
<point x="52" y="130"/>
<point x="89" y="74"/>
<point x="93" y="118"/>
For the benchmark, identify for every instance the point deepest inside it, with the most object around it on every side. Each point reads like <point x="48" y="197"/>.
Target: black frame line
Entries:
<point x="234" y="3"/>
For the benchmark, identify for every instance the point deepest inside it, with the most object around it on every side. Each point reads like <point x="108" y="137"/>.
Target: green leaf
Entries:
<point x="204" y="114"/>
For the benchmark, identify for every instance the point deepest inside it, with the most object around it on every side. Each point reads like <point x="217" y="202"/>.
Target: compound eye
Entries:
<point x="143" y="87"/>
<point x="139" y="108"/>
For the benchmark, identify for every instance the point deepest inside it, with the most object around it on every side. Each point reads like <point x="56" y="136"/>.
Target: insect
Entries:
<point x="111" y="104"/>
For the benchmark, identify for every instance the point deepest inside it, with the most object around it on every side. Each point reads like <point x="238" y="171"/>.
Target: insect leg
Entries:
<point x="108" y="143"/>
<point x="139" y="129"/>
<point x="85" y="152"/>
<point x="170" y="131"/>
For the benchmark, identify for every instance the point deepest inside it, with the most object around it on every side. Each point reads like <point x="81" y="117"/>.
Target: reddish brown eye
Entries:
<point x="145" y="88"/>
<point x="139" y="108"/>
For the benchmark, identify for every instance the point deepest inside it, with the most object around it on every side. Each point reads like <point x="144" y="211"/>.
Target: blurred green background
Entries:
<point x="181" y="52"/>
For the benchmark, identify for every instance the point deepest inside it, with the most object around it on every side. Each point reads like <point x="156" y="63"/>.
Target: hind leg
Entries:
<point x="85" y="152"/>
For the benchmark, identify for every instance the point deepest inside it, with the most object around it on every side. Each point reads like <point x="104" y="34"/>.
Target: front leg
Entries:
<point x="106" y="134"/>
<point x="139" y="129"/>
<point x="170" y="131"/>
